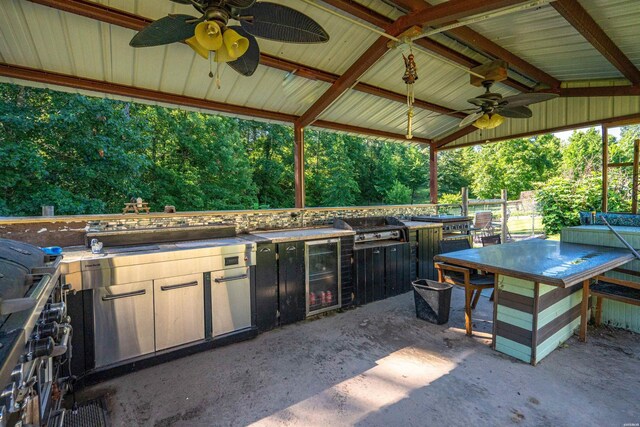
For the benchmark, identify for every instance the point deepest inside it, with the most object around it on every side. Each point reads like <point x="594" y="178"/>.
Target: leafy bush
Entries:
<point x="450" y="199"/>
<point x="561" y="199"/>
<point x="399" y="194"/>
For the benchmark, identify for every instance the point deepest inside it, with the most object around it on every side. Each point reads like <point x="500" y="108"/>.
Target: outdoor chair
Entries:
<point x="482" y="224"/>
<point x="472" y="281"/>
<point x="494" y="239"/>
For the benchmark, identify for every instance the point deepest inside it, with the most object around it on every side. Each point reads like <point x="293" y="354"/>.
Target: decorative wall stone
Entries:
<point x="244" y="221"/>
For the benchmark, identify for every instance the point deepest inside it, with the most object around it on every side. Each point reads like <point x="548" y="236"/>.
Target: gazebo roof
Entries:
<point x="585" y="50"/>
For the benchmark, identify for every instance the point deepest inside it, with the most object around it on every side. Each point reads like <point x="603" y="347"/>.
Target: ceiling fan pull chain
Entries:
<point x="218" y="83"/>
<point x="211" y="64"/>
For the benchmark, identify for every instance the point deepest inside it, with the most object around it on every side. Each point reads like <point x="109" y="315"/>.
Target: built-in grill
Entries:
<point x="373" y="229"/>
<point x="34" y="334"/>
<point x="453" y="226"/>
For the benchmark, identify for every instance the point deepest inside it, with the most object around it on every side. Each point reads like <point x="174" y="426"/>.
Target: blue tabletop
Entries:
<point x="544" y="261"/>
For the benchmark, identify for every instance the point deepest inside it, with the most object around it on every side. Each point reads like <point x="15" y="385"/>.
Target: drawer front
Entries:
<point x="230" y="300"/>
<point x="178" y="310"/>
<point x="123" y="322"/>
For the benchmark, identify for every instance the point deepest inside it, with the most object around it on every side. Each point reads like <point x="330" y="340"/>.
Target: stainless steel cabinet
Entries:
<point x="230" y="300"/>
<point x="178" y="310"/>
<point x="123" y="322"/>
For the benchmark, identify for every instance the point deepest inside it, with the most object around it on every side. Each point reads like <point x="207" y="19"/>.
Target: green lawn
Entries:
<point x="523" y="225"/>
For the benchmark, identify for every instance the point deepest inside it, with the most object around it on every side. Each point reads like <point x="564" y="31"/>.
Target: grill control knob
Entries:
<point x="9" y="395"/>
<point x="17" y="375"/>
<point x="40" y="348"/>
<point x="44" y="330"/>
<point x="53" y="313"/>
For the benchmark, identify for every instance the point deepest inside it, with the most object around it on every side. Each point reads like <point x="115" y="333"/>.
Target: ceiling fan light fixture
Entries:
<point x="489" y="121"/>
<point x="209" y="35"/>
<point x="234" y="46"/>
<point x="193" y="43"/>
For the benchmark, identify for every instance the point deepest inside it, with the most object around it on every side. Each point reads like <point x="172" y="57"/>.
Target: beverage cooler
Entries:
<point x="323" y="287"/>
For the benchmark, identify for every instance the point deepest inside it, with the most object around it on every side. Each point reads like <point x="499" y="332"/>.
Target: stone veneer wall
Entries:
<point x="245" y="221"/>
<point x="70" y="230"/>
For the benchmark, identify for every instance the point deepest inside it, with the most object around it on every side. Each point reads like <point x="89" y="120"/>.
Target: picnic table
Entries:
<point x="136" y="207"/>
<point x="537" y="302"/>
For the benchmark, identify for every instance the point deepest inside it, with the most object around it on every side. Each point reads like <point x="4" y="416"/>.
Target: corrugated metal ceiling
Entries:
<point x="43" y="38"/>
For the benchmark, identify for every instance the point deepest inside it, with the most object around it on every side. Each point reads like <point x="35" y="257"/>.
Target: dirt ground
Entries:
<point x="378" y="365"/>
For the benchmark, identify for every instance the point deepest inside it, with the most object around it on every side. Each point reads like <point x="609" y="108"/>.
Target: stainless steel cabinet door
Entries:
<point x="123" y="322"/>
<point x="230" y="300"/>
<point x="179" y="310"/>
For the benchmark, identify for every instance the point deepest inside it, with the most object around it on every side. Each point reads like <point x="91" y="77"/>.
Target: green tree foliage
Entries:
<point x="562" y="198"/>
<point x="399" y="194"/>
<point x="453" y="170"/>
<point x="513" y="165"/>
<point x="583" y="154"/>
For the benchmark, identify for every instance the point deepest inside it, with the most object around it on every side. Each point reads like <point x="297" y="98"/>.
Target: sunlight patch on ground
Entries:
<point x="391" y="380"/>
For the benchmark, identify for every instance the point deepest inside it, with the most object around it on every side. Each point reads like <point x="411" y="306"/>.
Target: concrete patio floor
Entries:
<point x="378" y="365"/>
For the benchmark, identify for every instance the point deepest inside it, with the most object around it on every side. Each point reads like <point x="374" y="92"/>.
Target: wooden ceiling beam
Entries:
<point x="453" y="10"/>
<point x="477" y="40"/>
<point x="607" y="123"/>
<point x="579" y="18"/>
<point x="64" y="80"/>
<point x="366" y="131"/>
<point x="444" y="12"/>
<point x="446" y="52"/>
<point x="118" y="17"/>
<point x="440" y="142"/>
<point x="597" y="91"/>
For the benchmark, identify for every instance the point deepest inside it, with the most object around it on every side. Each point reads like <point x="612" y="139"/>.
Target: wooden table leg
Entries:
<point x="467" y="310"/>
<point x="584" y="310"/>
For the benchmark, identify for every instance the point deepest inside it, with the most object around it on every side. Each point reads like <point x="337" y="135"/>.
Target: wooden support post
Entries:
<point x="634" y="186"/>
<point x="503" y="232"/>
<point x="584" y="310"/>
<point x="433" y="174"/>
<point x="465" y="201"/>
<point x="298" y="164"/>
<point x="605" y="164"/>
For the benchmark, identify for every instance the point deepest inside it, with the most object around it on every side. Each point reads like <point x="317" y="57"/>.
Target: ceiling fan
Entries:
<point x="213" y="38"/>
<point x="491" y="108"/>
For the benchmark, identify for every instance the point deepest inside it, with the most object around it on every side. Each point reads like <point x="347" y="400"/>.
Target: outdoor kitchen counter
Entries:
<point x="301" y="234"/>
<point x="414" y="225"/>
<point x="75" y="255"/>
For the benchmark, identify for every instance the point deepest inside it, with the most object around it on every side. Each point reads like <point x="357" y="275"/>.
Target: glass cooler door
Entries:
<point x="322" y="259"/>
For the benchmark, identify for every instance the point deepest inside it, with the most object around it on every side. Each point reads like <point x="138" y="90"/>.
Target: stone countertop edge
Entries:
<point x="412" y="225"/>
<point x="73" y="254"/>
<point x="279" y="236"/>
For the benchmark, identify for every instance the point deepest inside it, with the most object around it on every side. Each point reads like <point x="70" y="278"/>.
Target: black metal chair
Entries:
<point x="490" y="240"/>
<point x="472" y="281"/>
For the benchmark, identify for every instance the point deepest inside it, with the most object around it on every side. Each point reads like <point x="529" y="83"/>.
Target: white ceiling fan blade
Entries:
<point x="470" y="119"/>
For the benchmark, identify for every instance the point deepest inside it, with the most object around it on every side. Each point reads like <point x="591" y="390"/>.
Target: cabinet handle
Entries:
<point x="181" y="285"/>
<point x="291" y="248"/>
<point x="125" y="295"/>
<point x="265" y="250"/>
<point x="229" y="279"/>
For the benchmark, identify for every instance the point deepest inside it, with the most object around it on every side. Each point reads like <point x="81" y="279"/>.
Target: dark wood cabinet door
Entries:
<point x="427" y="248"/>
<point x="378" y="279"/>
<point x="291" y="286"/>
<point x="391" y="270"/>
<point x="266" y="290"/>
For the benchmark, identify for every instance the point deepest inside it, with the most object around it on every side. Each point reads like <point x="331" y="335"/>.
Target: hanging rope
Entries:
<point x="410" y="77"/>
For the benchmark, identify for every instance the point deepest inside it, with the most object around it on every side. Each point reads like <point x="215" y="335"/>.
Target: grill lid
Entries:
<point x="26" y="255"/>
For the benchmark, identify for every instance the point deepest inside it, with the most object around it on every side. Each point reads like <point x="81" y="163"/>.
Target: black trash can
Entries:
<point x="433" y="300"/>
